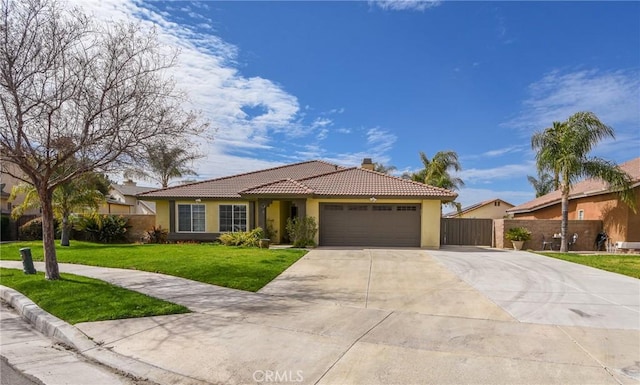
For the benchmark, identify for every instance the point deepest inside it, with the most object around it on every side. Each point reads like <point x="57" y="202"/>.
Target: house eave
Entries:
<point x="585" y="194"/>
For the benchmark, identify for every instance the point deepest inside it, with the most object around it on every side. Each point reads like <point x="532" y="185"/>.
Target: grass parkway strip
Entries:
<point x="77" y="299"/>
<point x="617" y="263"/>
<point x="235" y="267"/>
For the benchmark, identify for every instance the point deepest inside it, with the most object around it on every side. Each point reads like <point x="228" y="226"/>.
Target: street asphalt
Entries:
<point x="389" y="316"/>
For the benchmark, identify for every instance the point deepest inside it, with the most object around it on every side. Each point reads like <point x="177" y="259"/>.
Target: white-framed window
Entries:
<point x="191" y="218"/>
<point x="233" y="218"/>
<point x="580" y="215"/>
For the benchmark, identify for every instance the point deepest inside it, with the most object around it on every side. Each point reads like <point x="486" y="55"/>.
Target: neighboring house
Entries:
<point x="490" y="209"/>
<point x="5" y="205"/>
<point x="592" y="199"/>
<point x="352" y="206"/>
<point x="6" y="185"/>
<point x="7" y="181"/>
<point x="122" y="199"/>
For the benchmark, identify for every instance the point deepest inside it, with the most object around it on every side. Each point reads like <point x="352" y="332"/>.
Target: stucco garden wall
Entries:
<point x="139" y="224"/>
<point x="586" y="230"/>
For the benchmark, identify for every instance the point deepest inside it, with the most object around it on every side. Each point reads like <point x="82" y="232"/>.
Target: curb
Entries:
<point x="65" y="333"/>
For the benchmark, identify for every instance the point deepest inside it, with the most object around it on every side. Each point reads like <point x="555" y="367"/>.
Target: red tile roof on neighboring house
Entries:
<point x="131" y="190"/>
<point x="581" y="189"/>
<point x="230" y="186"/>
<point x="321" y="180"/>
<point x="473" y="207"/>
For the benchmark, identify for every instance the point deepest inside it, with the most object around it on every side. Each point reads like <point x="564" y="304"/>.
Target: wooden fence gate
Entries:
<point x="466" y="231"/>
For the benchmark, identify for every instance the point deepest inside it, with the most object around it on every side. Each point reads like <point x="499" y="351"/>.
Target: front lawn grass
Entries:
<point x="617" y="263"/>
<point x="235" y="267"/>
<point x="79" y="299"/>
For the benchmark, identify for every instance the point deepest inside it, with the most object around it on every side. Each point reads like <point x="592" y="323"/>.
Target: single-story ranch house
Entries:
<point x="490" y="209"/>
<point x="352" y="206"/>
<point x="592" y="199"/>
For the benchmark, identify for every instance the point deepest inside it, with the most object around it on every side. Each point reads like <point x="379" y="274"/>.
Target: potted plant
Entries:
<point x="518" y="236"/>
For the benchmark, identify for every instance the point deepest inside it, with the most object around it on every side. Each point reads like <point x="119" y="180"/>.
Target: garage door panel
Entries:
<point x="369" y="225"/>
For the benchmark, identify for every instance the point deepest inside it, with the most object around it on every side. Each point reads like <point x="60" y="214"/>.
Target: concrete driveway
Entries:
<point x="382" y="316"/>
<point x="407" y="280"/>
<point x="537" y="289"/>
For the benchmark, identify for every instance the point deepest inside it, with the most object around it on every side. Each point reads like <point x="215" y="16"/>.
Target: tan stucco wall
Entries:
<point x="430" y="237"/>
<point x="114" y="208"/>
<point x="162" y="214"/>
<point x="431" y="212"/>
<point x="273" y="218"/>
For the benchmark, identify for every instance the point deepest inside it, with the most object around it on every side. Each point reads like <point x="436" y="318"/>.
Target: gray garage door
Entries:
<point x="369" y="224"/>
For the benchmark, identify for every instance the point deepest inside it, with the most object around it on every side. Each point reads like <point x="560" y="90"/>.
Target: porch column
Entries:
<point x="301" y="205"/>
<point x="172" y="216"/>
<point x="262" y="212"/>
<point x="252" y="216"/>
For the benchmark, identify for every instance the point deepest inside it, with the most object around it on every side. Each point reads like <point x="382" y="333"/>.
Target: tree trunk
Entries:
<point x="564" y="226"/>
<point x="48" y="235"/>
<point x="66" y="230"/>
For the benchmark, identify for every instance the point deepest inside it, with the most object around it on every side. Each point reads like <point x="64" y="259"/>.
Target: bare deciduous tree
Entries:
<point x="79" y="97"/>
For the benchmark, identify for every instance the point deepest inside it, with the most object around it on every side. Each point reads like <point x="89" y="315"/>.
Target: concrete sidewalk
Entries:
<point x="33" y="354"/>
<point x="345" y="317"/>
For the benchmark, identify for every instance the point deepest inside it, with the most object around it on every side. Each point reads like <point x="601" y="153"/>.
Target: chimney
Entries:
<point x="128" y="182"/>
<point x="367" y="164"/>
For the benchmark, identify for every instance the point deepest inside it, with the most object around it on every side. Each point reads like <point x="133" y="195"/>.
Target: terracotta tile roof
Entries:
<point x="229" y="187"/>
<point x="581" y="189"/>
<point x="281" y="187"/>
<point x="313" y="178"/>
<point x="354" y="182"/>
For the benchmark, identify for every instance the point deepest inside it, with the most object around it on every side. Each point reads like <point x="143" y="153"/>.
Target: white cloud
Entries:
<point x="405" y="5"/>
<point x="380" y="140"/>
<point x="207" y="71"/>
<point x="378" y="144"/>
<point x="470" y="196"/>
<point x="503" y="151"/>
<point x="612" y="95"/>
<point x="221" y="164"/>
<point x="476" y="175"/>
<point x="321" y="123"/>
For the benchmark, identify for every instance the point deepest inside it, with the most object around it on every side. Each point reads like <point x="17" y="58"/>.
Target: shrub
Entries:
<point x="270" y="232"/>
<point x="302" y="231"/>
<point x="156" y="235"/>
<point x="32" y="230"/>
<point x="103" y="228"/>
<point x="243" y="238"/>
<point x="518" y="234"/>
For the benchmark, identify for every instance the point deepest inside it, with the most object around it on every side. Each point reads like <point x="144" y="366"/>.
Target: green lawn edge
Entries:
<point x="241" y="268"/>
<point x="76" y="299"/>
<point x="625" y="264"/>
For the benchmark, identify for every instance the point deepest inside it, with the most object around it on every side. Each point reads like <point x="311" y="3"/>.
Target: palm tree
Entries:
<point x="564" y="149"/>
<point x="436" y="172"/>
<point x="381" y="168"/>
<point x="84" y="193"/>
<point x="165" y="162"/>
<point x="543" y="185"/>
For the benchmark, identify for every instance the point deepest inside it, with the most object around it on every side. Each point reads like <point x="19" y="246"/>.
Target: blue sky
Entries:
<point x="290" y="81"/>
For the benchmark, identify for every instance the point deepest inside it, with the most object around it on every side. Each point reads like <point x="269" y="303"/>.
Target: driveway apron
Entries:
<point x="539" y="289"/>
<point x="365" y="316"/>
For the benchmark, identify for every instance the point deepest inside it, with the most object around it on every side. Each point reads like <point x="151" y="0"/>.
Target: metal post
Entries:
<point x="27" y="261"/>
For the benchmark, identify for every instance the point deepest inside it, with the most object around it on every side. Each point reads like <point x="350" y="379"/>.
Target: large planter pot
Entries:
<point x="517" y="245"/>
